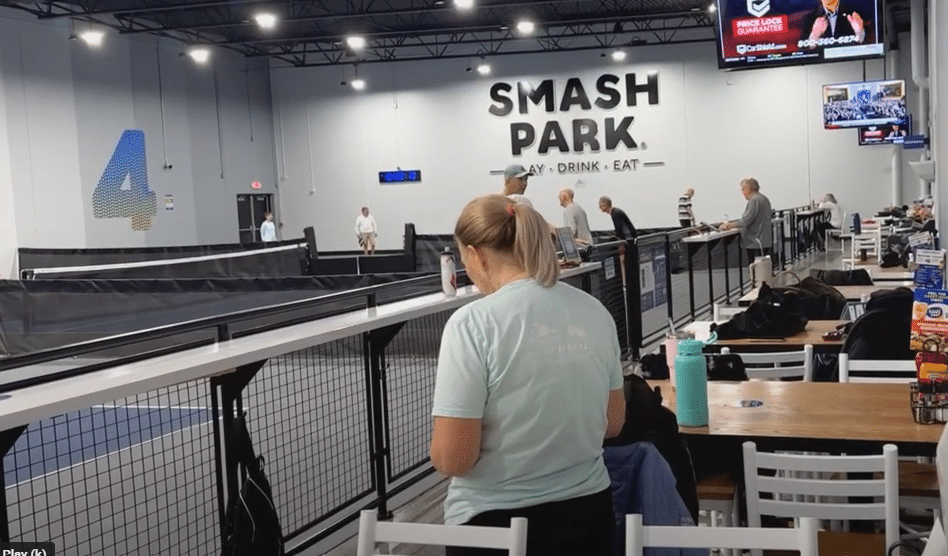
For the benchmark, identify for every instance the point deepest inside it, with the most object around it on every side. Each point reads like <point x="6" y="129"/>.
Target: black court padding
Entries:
<point x="287" y="262"/>
<point x="43" y="314"/>
<point x="50" y="258"/>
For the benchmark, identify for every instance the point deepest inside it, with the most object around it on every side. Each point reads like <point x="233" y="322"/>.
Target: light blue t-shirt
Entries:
<point x="536" y="365"/>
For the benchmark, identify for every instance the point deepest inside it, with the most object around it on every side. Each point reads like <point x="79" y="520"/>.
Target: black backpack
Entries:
<point x="896" y="252"/>
<point x="252" y="523"/>
<point x="646" y="419"/>
<point x="854" y="277"/>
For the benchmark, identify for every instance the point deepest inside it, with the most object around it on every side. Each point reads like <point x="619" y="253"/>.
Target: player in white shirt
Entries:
<point x="268" y="231"/>
<point x="366" y="231"/>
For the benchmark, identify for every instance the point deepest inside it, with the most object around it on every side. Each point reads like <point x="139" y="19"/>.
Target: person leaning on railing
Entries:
<point x="529" y="383"/>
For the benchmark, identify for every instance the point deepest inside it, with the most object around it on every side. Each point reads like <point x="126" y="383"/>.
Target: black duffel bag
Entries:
<point x="854" y="277"/>
<point x="762" y="320"/>
<point x="810" y="298"/>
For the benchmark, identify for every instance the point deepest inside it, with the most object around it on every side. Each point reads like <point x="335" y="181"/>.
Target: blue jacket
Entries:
<point x="643" y="483"/>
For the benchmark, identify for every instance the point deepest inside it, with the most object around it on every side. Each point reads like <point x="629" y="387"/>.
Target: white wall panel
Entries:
<point x="67" y="105"/>
<point x="710" y="129"/>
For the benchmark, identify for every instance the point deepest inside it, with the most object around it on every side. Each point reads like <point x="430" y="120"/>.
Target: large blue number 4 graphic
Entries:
<point x="123" y="188"/>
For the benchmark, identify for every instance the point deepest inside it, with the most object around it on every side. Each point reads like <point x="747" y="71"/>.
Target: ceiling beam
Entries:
<point x="165" y="7"/>
<point x="617" y="41"/>
<point x="698" y="16"/>
<point x="507" y="53"/>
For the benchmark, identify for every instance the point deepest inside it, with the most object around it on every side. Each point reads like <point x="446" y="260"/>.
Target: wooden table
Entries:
<point x="851" y="293"/>
<point x="879" y="274"/>
<point x="831" y="414"/>
<point x="813" y="335"/>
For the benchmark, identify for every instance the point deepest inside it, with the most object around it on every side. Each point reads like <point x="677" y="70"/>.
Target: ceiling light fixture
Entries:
<point x="265" y="20"/>
<point x="356" y="42"/>
<point x="464" y="4"/>
<point x="712" y="8"/>
<point x="92" y="38"/>
<point x="358" y="84"/>
<point x="483" y="68"/>
<point x="526" y="27"/>
<point x="199" y="54"/>
<point x="618" y="55"/>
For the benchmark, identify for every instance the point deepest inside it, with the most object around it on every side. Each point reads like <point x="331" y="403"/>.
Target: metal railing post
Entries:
<point x="7" y="439"/>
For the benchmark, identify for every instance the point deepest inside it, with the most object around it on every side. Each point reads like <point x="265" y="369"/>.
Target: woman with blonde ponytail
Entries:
<point x="529" y="385"/>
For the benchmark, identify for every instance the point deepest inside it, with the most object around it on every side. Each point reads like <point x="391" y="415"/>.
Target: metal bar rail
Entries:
<point x="133" y="455"/>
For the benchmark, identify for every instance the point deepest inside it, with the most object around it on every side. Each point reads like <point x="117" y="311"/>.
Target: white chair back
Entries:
<point x="879" y="370"/>
<point x="853" y="310"/>
<point x="371" y="531"/>
<point x="779" y="364"/>
<point x="639" y="537"/>
<point x="824" y="480"/>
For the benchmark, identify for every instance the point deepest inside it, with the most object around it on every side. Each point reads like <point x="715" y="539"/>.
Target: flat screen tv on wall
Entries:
<point x="767" y="33"/>
<point x="864" y="103"/>
<point x="885" y="134"/>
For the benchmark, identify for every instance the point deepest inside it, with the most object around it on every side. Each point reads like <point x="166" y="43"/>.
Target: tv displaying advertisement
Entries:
<point x="864" y="103"/>
<point x="885" y="134"/>
<point x="767" y="33"/>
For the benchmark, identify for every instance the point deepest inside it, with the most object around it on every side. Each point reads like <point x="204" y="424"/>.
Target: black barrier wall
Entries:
<point x="48" y="258"/>
<point x="45" y="314"/>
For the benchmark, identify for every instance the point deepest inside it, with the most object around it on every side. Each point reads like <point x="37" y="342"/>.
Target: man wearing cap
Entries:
<point x="515" y="183"/>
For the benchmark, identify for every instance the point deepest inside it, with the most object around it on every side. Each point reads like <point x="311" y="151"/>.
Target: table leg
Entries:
<point x="691" y="278"/>
<point x="726" y="242"/>
<point x="793" y="236"/>
<point x="710" y="276"/>
<point x="740" y="263"/>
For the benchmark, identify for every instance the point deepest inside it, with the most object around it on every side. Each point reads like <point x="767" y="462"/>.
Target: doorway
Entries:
<point x="250" y="210"/>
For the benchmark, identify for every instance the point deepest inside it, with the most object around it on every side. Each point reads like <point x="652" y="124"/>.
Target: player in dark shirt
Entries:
<point x="620" y="220"/>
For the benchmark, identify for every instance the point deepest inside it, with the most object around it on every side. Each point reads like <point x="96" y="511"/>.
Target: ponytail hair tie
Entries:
<point x="510" y="210"/>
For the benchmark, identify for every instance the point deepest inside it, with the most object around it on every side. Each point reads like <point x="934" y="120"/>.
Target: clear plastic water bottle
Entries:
<point x="449" y="275"/>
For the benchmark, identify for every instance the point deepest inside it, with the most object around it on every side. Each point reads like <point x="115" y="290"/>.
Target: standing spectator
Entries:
<point x="686" y="217"/>
<point x="620" y="220"/>
<point x="268" y="230"/>
<point x="529" y="383"/>
<point x="756" y="224"/>
<point x="574" y="217"/>
<point x="367" y="231"/>
<point x="515" y="183"/>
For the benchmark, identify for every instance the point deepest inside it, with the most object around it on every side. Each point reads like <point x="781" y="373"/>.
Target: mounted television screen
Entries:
<point x="864" y="103"/>
<point x="761" y="33"/>
<point x="885" y="133"/>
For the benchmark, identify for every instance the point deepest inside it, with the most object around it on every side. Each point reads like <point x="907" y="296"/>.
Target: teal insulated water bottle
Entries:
<point x="691" y="383"/>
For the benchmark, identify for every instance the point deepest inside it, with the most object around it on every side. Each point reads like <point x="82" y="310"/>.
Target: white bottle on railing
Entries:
<point x="449" y="276"/>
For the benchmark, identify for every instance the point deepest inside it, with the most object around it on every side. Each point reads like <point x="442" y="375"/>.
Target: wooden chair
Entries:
<point x="718" y="495"/>
<point x="639" y="537"/>
<point x="779" y="364"/>
<point x="937" y="544"/>
<point x="815" y="495"/>
<point x="918" y="481"/>
<point x="371" y="531"/>
<point x="880" y="370"/>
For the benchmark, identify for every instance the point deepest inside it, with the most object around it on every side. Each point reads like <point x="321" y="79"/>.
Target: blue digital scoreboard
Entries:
<point x="400" y="176"/>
